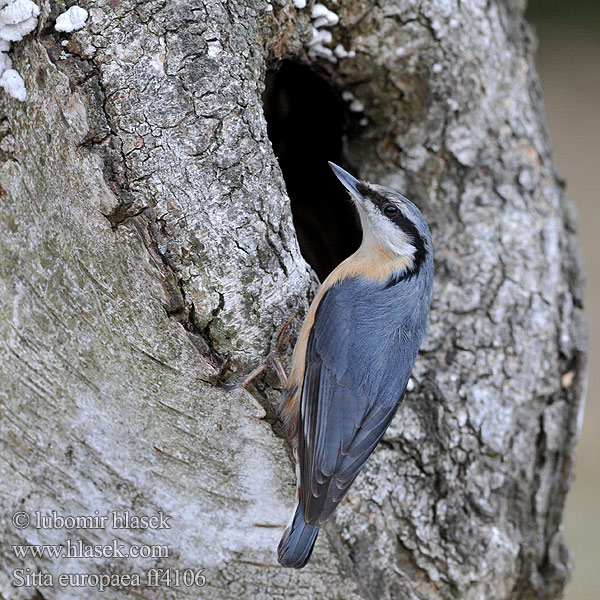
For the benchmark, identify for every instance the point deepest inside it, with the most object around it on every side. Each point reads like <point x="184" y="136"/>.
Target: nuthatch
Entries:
<point x="354" y="356"/>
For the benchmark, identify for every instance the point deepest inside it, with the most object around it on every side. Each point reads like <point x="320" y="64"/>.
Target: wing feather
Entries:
<point x="358" y="360"/>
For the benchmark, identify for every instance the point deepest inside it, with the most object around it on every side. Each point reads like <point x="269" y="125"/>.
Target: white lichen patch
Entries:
<point x="341" y="52"/>
<point x="323" y="17"/>
<point x="18" y="11"/>
<point x="17" y="19"/>
<point x="354" y="104"/>
<point x="14" y="33"/>
<point x="300" y="4"/>
<point x="319" y="45"/>
<point x="71" y="20"/>
<point x="13" y="84"/>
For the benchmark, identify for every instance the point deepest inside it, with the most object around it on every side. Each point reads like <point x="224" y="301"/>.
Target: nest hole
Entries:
<point x="306" y="125"/>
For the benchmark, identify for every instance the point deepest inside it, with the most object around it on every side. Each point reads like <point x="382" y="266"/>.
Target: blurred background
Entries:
<point x="568" y="61"/>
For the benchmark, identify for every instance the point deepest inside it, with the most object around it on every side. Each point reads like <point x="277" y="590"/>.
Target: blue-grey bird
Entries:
<point x="354" y="356"/>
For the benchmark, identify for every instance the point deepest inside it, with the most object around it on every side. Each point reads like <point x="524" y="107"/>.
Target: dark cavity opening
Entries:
<point x="306" y="124"/>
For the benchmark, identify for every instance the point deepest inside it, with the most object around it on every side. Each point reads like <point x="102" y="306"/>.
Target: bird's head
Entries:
<point x="388" y="219"/>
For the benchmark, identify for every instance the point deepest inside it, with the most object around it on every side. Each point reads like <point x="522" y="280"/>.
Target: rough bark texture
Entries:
<point x="146" y="237"/>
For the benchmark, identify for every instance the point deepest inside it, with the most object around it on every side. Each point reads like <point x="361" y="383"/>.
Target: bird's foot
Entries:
<point x="277" y="342"/>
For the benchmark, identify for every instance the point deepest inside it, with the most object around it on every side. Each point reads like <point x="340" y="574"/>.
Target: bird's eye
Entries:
<point x="389" y="210"/>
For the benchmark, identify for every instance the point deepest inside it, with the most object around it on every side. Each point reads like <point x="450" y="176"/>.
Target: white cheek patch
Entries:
<point x="377" y="228"/>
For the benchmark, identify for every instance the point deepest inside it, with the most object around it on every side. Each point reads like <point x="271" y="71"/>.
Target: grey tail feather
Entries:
<point x="297" y="542"/>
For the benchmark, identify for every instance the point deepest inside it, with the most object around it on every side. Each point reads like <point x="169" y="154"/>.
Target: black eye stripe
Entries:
<point x="379" y="200"/>
<point x="399" y="219"/>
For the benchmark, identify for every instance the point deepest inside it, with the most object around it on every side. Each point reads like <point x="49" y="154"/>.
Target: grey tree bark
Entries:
<point x="146" y="238"/>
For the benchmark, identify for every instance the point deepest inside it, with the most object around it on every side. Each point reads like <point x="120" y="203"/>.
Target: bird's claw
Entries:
<point x="277" y="342"/>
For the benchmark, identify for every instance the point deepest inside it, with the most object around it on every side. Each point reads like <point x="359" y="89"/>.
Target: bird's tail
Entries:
<point x="297" y="542"/>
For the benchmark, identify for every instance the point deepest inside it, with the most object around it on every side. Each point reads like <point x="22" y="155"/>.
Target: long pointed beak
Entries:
<point x="349" y="182"/>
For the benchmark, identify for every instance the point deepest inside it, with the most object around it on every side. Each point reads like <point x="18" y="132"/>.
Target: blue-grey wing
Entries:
<point x="359" y="357"/>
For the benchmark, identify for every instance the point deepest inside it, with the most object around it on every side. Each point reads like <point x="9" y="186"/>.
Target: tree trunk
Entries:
<point x="147" y="247"/>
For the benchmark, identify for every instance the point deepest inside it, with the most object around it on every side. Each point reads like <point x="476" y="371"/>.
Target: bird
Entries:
<point x="354" y="356"/>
